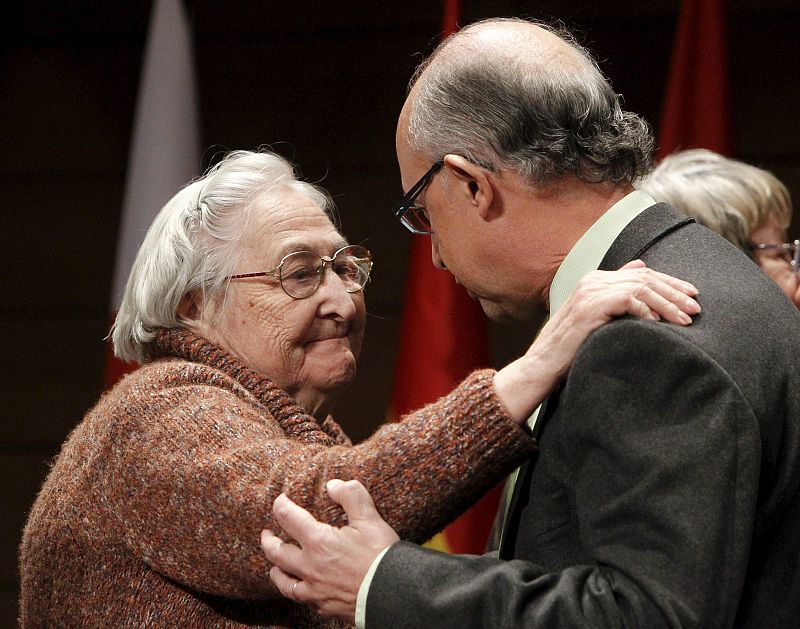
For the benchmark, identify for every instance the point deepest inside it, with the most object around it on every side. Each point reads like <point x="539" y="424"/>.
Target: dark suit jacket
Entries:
<point x="666" y="492"/>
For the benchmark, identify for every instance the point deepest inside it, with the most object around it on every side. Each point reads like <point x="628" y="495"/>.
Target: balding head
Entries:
<point x="511" y="94"/>
<point x="525" y="46"/>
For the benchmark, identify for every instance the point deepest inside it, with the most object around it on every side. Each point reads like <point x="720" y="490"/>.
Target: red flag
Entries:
<point x="442" y="339"/>
<point x="696" y="105"/>
<point x="165" y="147"/>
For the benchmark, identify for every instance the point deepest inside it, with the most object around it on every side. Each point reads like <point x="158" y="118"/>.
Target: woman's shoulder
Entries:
<point x="172" y="373"/>
<point x="166" y="386"/>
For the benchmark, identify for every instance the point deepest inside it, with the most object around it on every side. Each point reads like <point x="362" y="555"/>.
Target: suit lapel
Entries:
<point x="519" y="497"/>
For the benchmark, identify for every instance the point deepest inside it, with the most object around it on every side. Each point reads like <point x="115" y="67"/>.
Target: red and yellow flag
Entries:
<point x="442" y="339"/>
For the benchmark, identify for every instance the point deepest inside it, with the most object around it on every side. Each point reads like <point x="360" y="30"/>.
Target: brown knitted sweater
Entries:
<point x="151" y="513"/>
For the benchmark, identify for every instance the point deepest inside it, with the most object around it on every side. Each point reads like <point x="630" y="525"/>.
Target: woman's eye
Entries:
<point x="300" y="273"/>
<point x="346" y="269"/>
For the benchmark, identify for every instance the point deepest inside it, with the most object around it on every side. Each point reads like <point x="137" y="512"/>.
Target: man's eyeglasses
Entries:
<point x="413" y="217"/>
<point x="790" y="251"/>
<point x="300" y="273"/>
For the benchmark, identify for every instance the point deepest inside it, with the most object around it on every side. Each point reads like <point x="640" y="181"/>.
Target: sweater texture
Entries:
<point x="151" y="513"/>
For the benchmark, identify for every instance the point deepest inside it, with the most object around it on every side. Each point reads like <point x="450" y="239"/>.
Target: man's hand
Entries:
<point x="327" y="569"/>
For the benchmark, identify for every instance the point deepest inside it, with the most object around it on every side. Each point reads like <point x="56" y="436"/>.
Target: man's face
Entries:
<point x="477" y="252"/>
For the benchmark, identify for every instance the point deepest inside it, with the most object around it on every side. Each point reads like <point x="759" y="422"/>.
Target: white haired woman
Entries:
<point x="747" y="205"/>
<point x="246" y="307"/>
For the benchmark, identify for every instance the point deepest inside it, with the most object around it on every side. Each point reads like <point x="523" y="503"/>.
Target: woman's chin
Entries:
<point x="334" y="382"/>
<point x="323" y="386"/>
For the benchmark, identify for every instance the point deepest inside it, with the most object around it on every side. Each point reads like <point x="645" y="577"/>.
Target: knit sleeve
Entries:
<point x="188" y="474"/>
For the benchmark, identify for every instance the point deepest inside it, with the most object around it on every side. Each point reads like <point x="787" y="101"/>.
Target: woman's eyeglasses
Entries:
<point x="790" y="251"/>
<point x="300" y="273"/>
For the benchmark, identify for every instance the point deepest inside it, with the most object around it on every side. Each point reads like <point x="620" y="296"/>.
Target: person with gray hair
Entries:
<point x="246" y="307"/>
<point x="747" y="205"/>
<point x="501" y="112"/>
<point x="665" y="491"/>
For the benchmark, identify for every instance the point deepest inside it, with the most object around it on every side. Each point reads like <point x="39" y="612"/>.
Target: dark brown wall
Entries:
<point x="320" y="82"/>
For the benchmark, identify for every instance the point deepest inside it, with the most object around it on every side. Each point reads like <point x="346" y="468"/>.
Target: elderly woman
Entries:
<point x="246" y="307"/>
<point x="747" y="205"/>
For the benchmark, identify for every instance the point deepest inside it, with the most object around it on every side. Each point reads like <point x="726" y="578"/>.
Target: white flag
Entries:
<point x="165" y="147"/>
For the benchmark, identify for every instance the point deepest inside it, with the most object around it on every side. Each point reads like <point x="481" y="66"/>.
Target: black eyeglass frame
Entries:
<point x="363" y="257"/>
<point x="792" y="247"/>
<point x="406" y="205"/>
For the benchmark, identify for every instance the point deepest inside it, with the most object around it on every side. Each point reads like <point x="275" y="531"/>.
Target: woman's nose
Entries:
<point x="334" y="297"/>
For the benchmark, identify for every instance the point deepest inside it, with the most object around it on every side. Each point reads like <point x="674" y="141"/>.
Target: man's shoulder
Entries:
<point x="733" y="348"/>
<point x="635" y="340"/>
<point x="737" y="297"/>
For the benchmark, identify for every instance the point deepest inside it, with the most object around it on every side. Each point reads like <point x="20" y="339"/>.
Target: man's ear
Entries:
<point x="476" y="184"/>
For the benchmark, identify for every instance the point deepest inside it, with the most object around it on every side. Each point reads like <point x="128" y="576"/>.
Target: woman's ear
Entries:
<point x="473" y="183"/>
<point x="190" y="307"/>
<point x="198" y="315"/>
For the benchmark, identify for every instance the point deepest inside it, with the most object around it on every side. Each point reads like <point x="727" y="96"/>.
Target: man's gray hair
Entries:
<point x="729" y="196"/>
<point x="192" y="244"/>
<point x="541" y="115"/>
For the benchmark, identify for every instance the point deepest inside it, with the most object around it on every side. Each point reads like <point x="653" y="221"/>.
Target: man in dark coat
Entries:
<point x="666" y="489"/>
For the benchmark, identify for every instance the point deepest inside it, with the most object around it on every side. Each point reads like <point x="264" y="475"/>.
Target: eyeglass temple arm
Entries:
<point x="242" y="276"/>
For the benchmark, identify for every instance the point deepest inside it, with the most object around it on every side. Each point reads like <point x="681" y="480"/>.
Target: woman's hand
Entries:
<point x="599" y="297"/>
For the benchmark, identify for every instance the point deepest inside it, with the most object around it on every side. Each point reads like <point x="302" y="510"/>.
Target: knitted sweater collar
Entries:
<point x="296" y="423"/>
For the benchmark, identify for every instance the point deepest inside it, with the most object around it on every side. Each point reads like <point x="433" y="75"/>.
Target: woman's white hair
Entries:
<point x="729" y="196"/>
<point x="193" y="243"/>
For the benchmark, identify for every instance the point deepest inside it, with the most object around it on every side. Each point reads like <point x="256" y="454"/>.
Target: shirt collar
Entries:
<point x="591" y="248"/>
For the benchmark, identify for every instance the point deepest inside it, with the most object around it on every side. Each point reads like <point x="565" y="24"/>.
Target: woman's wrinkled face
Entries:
<point x="308" y="347"/>
<point x="775" y="262"/>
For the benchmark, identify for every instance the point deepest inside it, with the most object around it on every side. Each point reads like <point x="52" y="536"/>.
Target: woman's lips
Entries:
<point x="337" y="334"/>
